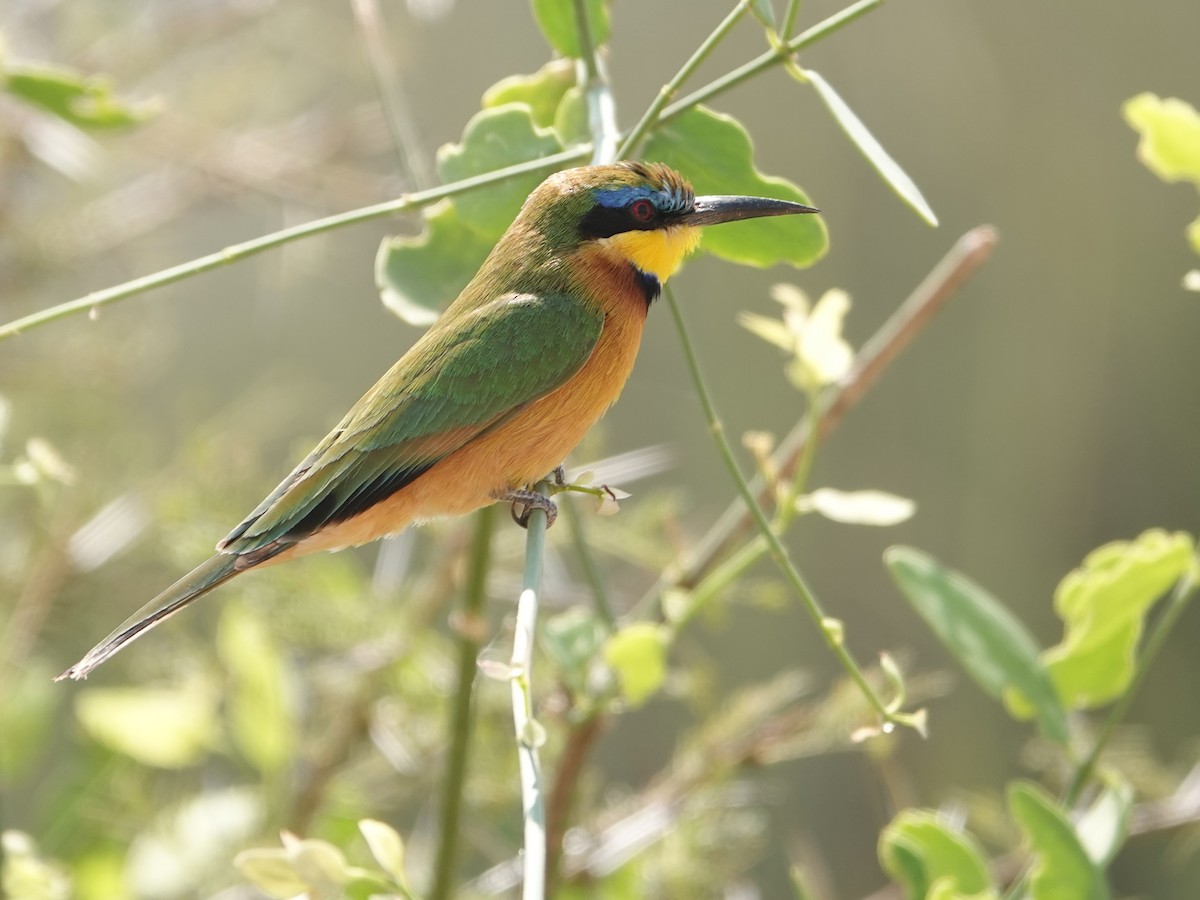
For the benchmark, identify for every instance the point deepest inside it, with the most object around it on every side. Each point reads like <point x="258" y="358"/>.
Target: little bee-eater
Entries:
<point x="500" y="388"/>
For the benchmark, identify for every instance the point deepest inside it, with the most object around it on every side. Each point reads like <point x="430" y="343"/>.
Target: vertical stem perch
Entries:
<point x="528" y="732"/>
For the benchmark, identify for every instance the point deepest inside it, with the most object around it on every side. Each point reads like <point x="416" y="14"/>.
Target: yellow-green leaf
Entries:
<point x="542" y="91"/>
<point x="1170" y="136"/>
<point x="86" y="101"/>
<point x="715" y="153"/>
<point x="386" y="846"/>
<point x="1103" y="605"/>
<point x="494" y="138"/>
<point x="270" y="870"/>
<point x="879" y="158"/>
<point x="556" y="18"/>
<point x="260" y="708"/>
<point x="926" y="858"/>
<point x="160" y="726"/>
<point x="638" y="655"/>
<point x="1062" y="870"/>
<point x="419" y="276"/>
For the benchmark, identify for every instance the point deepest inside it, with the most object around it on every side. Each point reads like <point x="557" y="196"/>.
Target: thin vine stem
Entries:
<point x="593" y="80"/>
<point x="772" y="57"/>
<point x="591" y="571"/>
<point x="403" y="132"/>
<point x="969" y="252"/>
<point x="236" y="252"/>
<point x="789" y="18"/>
<point x="471" y="633"/>
<point x="671" y="88"/>
<point x="774" y="546"/>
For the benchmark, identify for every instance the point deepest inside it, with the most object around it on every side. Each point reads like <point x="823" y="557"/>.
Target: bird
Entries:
<point x="499" y="389"/>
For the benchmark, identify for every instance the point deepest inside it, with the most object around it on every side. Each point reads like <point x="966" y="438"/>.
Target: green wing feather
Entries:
<point x="469" y="372"/>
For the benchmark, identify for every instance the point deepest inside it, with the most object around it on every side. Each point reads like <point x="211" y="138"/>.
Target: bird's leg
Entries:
<point x="528" y="501"/>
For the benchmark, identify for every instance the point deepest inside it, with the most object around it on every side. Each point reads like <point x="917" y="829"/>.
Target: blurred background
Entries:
<point x="1049" y="409"/>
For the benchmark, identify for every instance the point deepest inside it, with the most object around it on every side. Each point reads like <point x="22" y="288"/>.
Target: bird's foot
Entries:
<point x="525" y="501"/>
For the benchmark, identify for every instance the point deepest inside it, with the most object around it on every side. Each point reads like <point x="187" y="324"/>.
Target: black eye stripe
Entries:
<point x="605" y="221"/>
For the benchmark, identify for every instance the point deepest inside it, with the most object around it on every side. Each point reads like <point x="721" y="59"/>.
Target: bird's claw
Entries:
<point x="527" y="501"/>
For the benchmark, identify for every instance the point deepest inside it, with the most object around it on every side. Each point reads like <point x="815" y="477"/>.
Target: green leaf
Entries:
<point x="419" y="276"/>
<point x="495" y="138"/>
<point x="879" y="158"/>
<point x="386" y="846"/>
<point x="715" y="153"/>
<point x="571" y="119"/>
<point x="542" y="91"/>
<point x="1063" y="870"/>
<point x="260" y="708"/>
<point x="1103" y="605"/>
<point x="85" y="101"/>
<point x="765" y="13"/>
<point x="638" y="655"/>
<point x="572" y="639"/>
<point x="985" y="638"/>
<point x="319" y="864"/>
<point x="919" y="853"/>
<point x="165" y="727"/>
<point x="1105" y="825"/>
<point x="270" y="870"/>
<point x="556" y="18"/>
<point x="1170" y="136"/>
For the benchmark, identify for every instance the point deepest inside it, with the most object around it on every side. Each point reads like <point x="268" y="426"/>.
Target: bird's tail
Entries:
<point x="192" y="586"/>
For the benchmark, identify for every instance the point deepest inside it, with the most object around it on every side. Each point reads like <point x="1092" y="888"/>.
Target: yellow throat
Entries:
<point x="657" y="252"/>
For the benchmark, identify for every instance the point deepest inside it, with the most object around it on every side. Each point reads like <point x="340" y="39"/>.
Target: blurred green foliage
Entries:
<point x="316" y="704"/>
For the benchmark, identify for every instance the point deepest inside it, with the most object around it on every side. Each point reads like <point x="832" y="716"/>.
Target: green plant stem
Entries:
<point x="602" y="111"/>
<point x="591" y="571"/>
<point x="733" y="567"/>
<point x="236" y="252"/>
<point x="794" y="486"/>
<point x="970" y="252"/>
<point x="789" y="18"/>
<point x="1185" y="588"/>
<point x="470" y="637"/>
<point x="772" y="57"/>
<point x="774" y="546"/>
<point x="404" y="135"/>
<point x="533" y="801"/>
<point x="668" y="91"/>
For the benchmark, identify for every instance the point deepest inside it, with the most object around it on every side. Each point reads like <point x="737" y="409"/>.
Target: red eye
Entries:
<point x="642" y="210"/>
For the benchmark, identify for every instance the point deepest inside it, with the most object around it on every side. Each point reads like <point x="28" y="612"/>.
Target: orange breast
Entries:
<point x="532" y="442"/>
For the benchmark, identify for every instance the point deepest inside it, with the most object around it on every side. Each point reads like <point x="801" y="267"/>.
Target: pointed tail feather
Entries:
<point x="192" y="586"/>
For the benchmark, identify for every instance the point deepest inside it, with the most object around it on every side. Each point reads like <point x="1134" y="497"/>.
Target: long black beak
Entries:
<point x="713" y="210"/>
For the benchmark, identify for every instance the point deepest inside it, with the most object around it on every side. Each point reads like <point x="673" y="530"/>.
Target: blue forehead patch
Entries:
<point x="667" y="200"/>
